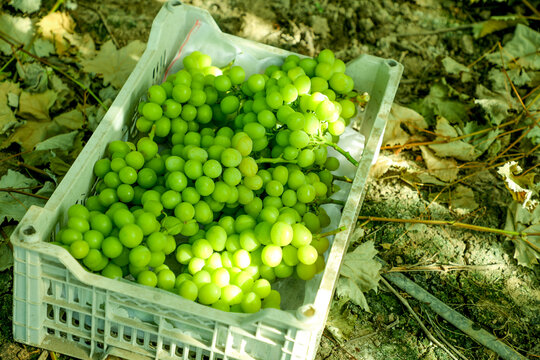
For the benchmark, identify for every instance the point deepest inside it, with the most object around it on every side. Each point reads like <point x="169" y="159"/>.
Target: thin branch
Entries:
<point x="10" y="190"/>
<point x="328" y="233"/>
<point x="521" y="234"/>
<point x="102" y="18"/>
<point x="438" y="31"/>
<point x="532" y="8"/>
<point x="417" y="318"/>
<point x="15" y="155"/>
<point x="343" y="178"/>
<point x="55" y="68"/>
<point x="347" y="155"/>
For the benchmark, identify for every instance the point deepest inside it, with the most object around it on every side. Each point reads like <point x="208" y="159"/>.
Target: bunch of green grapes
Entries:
<point x="226" y="180"/>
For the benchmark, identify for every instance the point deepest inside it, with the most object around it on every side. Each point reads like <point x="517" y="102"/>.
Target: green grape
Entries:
<point x="331" y="163"/>
<point x="101" y="223"/>
<point x="162" y="127"/>
<point x="306" y="158"/>
<point x="203" y="213"/>
<point x="307" y="254"/>
<point x="290" y="255"/>
<point x="204" y="185"/>
<point x="111" y="247"/>
<point x="147" y="147"/>
<point x="139" y="256"/>
<point x="283" y="271"/>
<point x="256" y="83"/>
<point x="266" y="272"/>
<point x="237" y="75"/>
<point x="243" y="143"/>
<point x="306" y="272"/>
<point x="189" y="112"/>
<point x="188" y="290"/>
<point x="156" y="94"/>
<point x="302" y="84"/>
<point x="217" y="237"/>
<point x="231" y="294"/>
<point x="222" y="83"/>
<point x="152" y="111"/>
<point x="212" y="168"/>
<point x="147" y="278"/>
<point x="130" y="235"/>
<point x="289" y="198"/>
<point x="348" y="109"/>
<point x="232" y="243"/>
<point x="262" y="232"/>
<point x="274" y="188"/>
<point x="166" y="279"/>
<point x="271" y="255"/>
<point x="102" y="167"/>
<point x="184" y="253"/>
<point x="112" y="271"/>
<point x="201" y="278"/>
<point x="231" y="157"/>
<point x="209" y="294"/>
<point x="251" y="303"/>
<point x="193" y="169"/>
<point x="254" y="130"/>
<point x="79" y="249"/>
<point x="337" y="127"/>
<point x="306" y="193"/>
<point x="281" y="233"/>
<point x="78" y="223"/>
<point x="229" y="104"/>
<point x="241" y="258"/>
<point x="190" y="195"/>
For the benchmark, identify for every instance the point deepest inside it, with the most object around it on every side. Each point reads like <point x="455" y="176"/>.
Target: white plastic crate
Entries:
<point x="61" y="307"/>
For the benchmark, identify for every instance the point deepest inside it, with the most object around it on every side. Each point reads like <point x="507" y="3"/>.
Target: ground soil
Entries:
<point x="489" y="287"/>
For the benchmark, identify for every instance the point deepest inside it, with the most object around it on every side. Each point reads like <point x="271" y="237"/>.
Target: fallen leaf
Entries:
<point x="521" y="50"/>
<point x="28" y="135"/>
<point x="26" y="6"/>
<point x="36" y="106"/>
<point x="359" y="273"/>
<point x="85" y="45"/>
<point x="17" y="29"/>
<point x="444" y="129"/>
<point x="453" y="67"/>
<point x="520" y="219"/>
<point x="496" y="23"/>
<point x="495" y="105"/>
<point x="384" y="163"/>
<point x="6" y="257"/>
<point x="54" y="27"/>
<point x="444" y="169"/>
<point x="394" y="133"/>
<point x="114" y="65"/>
<point x="95" y="113"/>
<point x="463" y="200"/>
<point x="63" y="93"/>
<point x="6" y="88"/>
<point x="58" y="166"/>
<point x="62" y="142"/>
<point x="71" y="120"/>
<point x="14" y="205"/>
<point x="42" y="47"/>
<point x="34" y="76"/>
<point x="7" y="119"/>
<point x="522" y="187"/>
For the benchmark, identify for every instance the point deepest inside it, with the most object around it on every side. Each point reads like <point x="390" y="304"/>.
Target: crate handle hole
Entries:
<point x="392" y="63"/>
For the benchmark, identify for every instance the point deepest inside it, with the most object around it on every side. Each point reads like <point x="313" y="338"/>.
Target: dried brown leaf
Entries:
<point x="28" y="135"/>
<point x="36" y="106"/>
<point x="55" y="27"/>
<point x="114" y="65"/>
<point x="394" y="133"/>
<point x="443" y="169"/>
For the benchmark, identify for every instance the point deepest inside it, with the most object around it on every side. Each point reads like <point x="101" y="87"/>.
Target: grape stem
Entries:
<point x="333" y="232"/>
<point x="274" y="161"/>
<point x="342" y="152"/>
<point x="343" y="178"/>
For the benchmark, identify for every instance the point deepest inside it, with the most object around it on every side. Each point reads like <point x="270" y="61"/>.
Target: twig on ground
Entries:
<point x="15" y="155"/>
<point x="104" y="21"/>
<point x="435" y="32"/>
<point x="55" y="68"/>
<point x="12" y="190"/>
<point x="351" y="356"/>
<point x="455" y="318"/>
<point x="441" y="336"/>
<point x="33" y="168"/>
<point x="532" y="8"/>
<point x="417" y="318"/>
<point x="442" y="267"/>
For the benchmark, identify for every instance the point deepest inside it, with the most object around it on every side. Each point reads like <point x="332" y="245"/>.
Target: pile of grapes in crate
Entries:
<point x="220" y="195"/>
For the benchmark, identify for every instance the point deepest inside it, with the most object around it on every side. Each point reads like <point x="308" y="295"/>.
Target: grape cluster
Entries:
<point x="226" y="177"/>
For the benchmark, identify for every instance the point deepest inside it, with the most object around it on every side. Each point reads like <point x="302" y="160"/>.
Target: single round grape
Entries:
<point x="79" y="249"/>
<point x="147" y="278"/>
<point x="281" y="233"/>
<point x="101" y="223"/>
<point x="111" y="247"/>
<point x="229" y="104"/>
<point x="212" y="168"/>
<point x="323" y="70"/>
<point x="139" y="256"/>
<point x="147" y="147"/>
<point x="271" y="255"/>
<point x="307" y="254"/>
<point x="204" y="185"/>
<point x="274" y="188"/>
<point x="166" y="279"/>
<point x="112" y="271"/>
<point x="102" y="167"/>
<point x="256" y="83"/>
<point x="188" y="290"/>
<point x="331" y="163"/>
<point x="184" y="253"/>
<point x="231" y="157"/>
<point x="203" y="213"/>
<point x="190" y="195"/>
<point x="209" y="294"/>
<point x="152" y="111"/>
<point x="237" y="75"/>
<point x="222" y="83"/>
<point x="130" y="235"/>
<point x="201" y="278"/>
<point x="337" y="127"/>
<point x="251" y="303"/>
<point x="302" y="84"/>
<point x="232" y="294"/>
<point x="283" y="271"/>
<point x="193" y="169"/>
<point x="189" y="112"/>
<point x="241" y="258"/>
<point x="306" y="272"/>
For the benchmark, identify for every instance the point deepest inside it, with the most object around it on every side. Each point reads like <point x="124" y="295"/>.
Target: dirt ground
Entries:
<point x="473" y="272"/>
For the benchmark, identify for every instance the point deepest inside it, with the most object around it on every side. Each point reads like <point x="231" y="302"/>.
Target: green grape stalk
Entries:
<point x="225" y="181"/>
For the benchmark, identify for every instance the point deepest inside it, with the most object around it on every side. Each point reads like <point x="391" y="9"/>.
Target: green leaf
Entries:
<point x="42" y="47"/>
<point x="6" y="257"/>
<point x="26" y="6"/>
<point x="453" y="67"/>
<point x="523" y="49"/>
<point x="18" y="29"/>
<point x="62" y="142"/>
<point x="14" y="205"/>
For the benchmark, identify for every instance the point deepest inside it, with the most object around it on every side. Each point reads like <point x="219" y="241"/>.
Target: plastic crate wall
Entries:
<point x="61" y="307"/>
